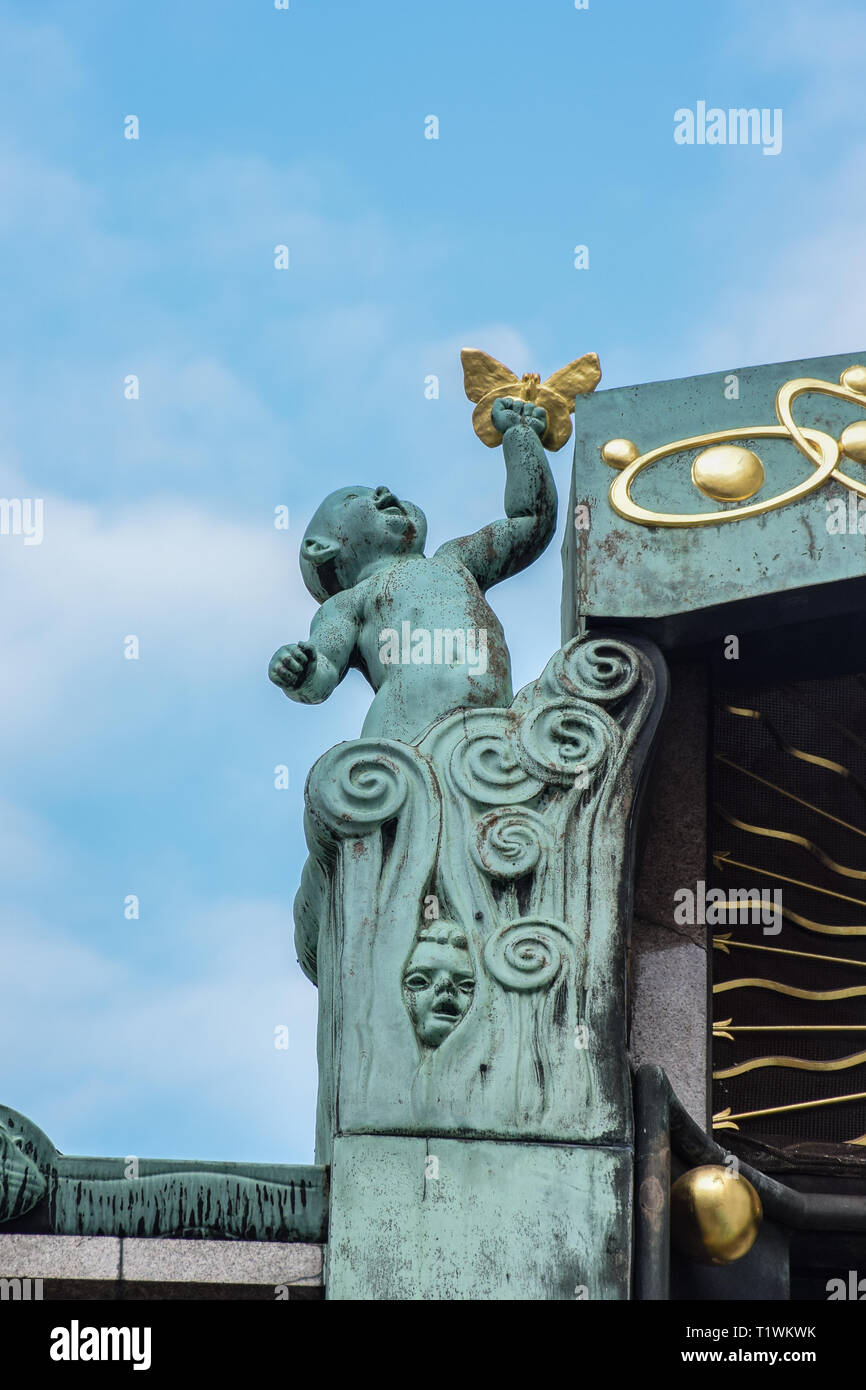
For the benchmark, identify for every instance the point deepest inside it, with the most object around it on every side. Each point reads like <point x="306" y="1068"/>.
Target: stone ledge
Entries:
<point x="221" y="1261"/>
<point x="126" y="1268"/>
<point x="59" y="1257"/>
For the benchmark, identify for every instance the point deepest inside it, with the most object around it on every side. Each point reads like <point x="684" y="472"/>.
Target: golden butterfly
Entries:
<point x="485" y="379"/>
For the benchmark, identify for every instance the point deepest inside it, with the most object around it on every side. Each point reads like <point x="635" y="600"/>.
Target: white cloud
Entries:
<point x="28" y="845"/>
<point x="792" y="284"/>
<point x="83" y="1033"/>
<point x="39" y="71"/>
<point x="824" y="44"/>
<point x="197" y="590"/>
<point x="196" y="429"/>
<point x="809" y="298"/>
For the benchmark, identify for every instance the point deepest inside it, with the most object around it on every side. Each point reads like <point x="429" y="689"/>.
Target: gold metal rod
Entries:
<point x="724" y="942"/>
<point x="793" y="839"/>
<point x="721" y="860"/>
<point x="729" y="762"/>
<point x="813" y="995"/>
<point x="813" y="758"/>
<point x="794" y="1027"/>
<point x="784" y="1109"/>
<point x="791" y="1063"/>
<point x="794" y="694"/>
<point x="756" y="904"/>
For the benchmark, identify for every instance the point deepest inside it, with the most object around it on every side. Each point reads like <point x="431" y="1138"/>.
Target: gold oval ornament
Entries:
<point x="818" y="443"/>
<point x="803" y="386"/>
<point x="716" y="1215"/>
<point x="728" y="473"/>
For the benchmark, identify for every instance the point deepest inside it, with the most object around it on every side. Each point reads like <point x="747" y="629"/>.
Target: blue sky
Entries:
<point x="261" y="388"/>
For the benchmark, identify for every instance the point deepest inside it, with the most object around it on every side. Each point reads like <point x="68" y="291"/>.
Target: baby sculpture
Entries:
<point x="362" y="558"/>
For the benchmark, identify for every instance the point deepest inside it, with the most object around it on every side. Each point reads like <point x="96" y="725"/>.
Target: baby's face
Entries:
<point x="368" y="523"/>
<point x="374" y="516"/>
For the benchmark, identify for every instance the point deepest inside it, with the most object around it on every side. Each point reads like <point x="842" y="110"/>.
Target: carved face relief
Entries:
<point x="438" y="985"/>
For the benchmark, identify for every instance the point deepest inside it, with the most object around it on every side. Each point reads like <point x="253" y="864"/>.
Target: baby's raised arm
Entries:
<point x="502" y="548"/>
<point x="309" y="671"/>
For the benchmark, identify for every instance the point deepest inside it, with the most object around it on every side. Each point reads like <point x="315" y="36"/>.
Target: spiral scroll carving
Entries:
<point x="561" y="740"/>
<point x="486" y="768"/>
<point x="355" y="788"/>
<point x="602" y="670"/>
<point x="529" y="954"/>
<point x="509" y="842"/>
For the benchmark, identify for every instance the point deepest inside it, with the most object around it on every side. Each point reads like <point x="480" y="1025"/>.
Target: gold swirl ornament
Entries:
<point x="727" y="472"/>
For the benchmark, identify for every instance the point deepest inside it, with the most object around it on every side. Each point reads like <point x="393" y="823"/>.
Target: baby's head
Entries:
<point x="352" y="528"/>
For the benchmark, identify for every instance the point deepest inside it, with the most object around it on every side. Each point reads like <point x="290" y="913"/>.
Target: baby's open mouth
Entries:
<point x="387" y="502"/>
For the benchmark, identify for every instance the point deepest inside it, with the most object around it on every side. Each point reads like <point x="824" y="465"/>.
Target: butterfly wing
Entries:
<point x="558" y="418"/>
<point x="485" y="379"/>
<point x="557" y="395"/>
<point x="482" y="421"/>
<point x="577" y="379"/>
<point x="482" y="375"/>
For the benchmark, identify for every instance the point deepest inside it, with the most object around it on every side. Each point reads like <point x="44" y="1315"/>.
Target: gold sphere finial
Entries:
<point x="619" y="453"/>
<point x="854" y="379"/>
<point x="852" y="441"/>
<point x="715" y="1215"/>
<point x="728" y="473"/>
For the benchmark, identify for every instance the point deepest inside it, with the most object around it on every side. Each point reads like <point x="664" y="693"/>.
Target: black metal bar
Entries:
<point x="652" y="1185"/>
<point x="799" y="1211"/>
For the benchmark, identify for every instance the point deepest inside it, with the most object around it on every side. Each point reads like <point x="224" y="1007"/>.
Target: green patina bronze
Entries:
<point x="363" y="560"/>
<point x="466" y="904"/>
<point x="465" y="912"/>
<point x="690" y="584"/>
<point x="43" y="1191"/>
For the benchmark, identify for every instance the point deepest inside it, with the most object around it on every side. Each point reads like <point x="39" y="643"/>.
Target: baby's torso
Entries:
<point x="430" y="643"/>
